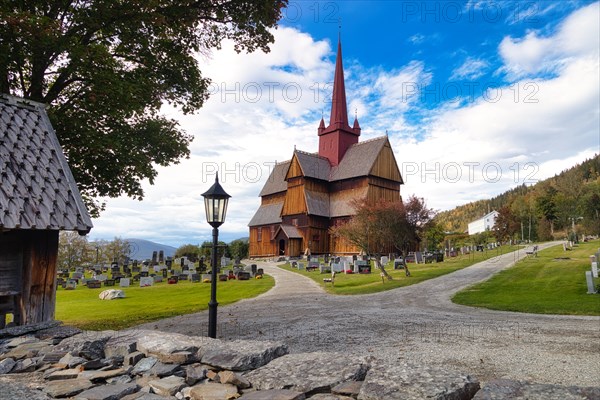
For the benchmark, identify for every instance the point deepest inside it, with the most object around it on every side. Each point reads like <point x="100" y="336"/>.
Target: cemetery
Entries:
<point x="359" y="275"/>
<point x="151" y="291"/>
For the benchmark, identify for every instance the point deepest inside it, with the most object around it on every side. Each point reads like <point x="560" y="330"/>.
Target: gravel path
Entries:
<point x="418" y="323"/>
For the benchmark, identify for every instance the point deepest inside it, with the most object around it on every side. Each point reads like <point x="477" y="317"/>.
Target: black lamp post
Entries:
<point x="215" y="202"/>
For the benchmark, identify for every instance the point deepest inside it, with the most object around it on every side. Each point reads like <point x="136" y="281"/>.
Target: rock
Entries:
<point x="133" y="358"/>
<point x="17" y="391"/>
<point x="275" y="394"/>
<point x="111" y="294"/>
<point x="120" y="379"/>
<point x="120" y="345"/>
<point x="309" y="373"/>
<point x="69" y="361"/>
<point x="54" y="356"/>
<point x="88" y="344"/>
<point x="210" y="391"/>
<point x="159" y="369"/>
<point x="64" y="374"/>
<point x="58" y="332"/>
<point x="67" y="388"/>
<point x="94" y="364"/>
<point x="103" y="375"/>
<point x="143" y="396"/>
<point x="351" y="388"/>
<point x="28" y="350"/>
<point x="28" y="328"/>
<point x="6" y="365"/>
<point x="15" y="342"/>
<point x="403" y="380"/>
<point x="234" y="379"/>
<point x="25" y="365"/>
<point x="163" y="345"/>
<point x="167" y="386"/>
<point x="108" y="392"/>
<point x="213" y="376"/>
<point x="329" y="396"/>
<point x="144" y="365"/>
<point x="241" y="355"/>
<point x="195" y="373"/>
<point x="510" y="389"/>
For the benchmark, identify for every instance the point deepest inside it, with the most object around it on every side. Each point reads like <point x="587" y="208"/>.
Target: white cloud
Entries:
<point x="471" y="68"/>
<point x="577" y="36"/>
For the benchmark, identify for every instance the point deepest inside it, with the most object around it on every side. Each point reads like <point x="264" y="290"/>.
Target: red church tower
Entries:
<point x="335" y="139"/>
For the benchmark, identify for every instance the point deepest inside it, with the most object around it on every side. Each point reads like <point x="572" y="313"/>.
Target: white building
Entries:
<point x="483" y="224"/>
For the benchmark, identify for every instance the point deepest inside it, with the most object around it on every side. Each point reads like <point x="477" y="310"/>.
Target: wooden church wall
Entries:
<point x="295" y="202"/>
<point x="264" y="248"/>
<point x="385" y="165"/>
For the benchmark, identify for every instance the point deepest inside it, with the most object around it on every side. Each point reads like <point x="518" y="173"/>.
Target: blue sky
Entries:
<point x="476" y="98"/>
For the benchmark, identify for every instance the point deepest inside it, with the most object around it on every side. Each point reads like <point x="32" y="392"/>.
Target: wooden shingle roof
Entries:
<point x="276" y="181"/>
<point x="37" y="188"/>
<point x="313" y="165"/>
<point x="267" y="214"/>
<point x="358" y="160"/>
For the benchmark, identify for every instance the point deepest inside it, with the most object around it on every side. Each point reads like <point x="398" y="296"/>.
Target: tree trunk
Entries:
<point x="382" y="269"/>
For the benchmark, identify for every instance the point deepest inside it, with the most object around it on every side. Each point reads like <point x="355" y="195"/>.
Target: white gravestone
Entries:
<point x="101" y="277"/>
<point x="146" y="281"/>
<point x="145" y="268"/>
<point x="355" y="270"/>
<point x="384" y="260"/>
<point x="595" y="269"/>
<point x="590" y="282"/>
<point x="124" y="282"/>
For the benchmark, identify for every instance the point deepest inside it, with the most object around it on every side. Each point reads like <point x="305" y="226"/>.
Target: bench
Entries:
<point x="330" y="280"/>
<point x="532" y="252"/>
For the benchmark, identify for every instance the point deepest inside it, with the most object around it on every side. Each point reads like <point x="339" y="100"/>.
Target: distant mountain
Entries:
<point x="142" y="249"/>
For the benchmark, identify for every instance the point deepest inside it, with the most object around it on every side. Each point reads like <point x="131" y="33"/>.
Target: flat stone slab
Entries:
<point x="101" y="375"/>
<point x="505" y="389"/>
<point x="162" y="345"/>
<point x="167" y="386"/>
<point x="403" y="381"/>
<point x="309" y="373"/>
<point x="67" y="388"/>
<point x="144" y="365"/>
<point x="243" y="355"/>
<point x="275" y="394"/>
<point x="211" y="390"/>
<point x="330" y="396"/>
<point x="64" y="374"/>
<point x="6" y="365"/>
<point x="108" y="392"/>
<point x="351" y="388"/>
<point x="14" y="390"/>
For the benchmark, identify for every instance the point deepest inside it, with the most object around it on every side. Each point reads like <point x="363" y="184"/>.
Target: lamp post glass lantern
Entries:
<point x="215" y="203"/>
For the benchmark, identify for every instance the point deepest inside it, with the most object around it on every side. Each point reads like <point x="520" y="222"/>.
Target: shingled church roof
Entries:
<point x="38" y="190"/>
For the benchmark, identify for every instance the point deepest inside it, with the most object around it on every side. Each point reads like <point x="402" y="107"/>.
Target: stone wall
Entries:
<point x="63" y="362"/>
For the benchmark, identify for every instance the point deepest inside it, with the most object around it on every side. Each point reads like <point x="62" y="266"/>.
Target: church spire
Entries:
<point x="339" y="110"/>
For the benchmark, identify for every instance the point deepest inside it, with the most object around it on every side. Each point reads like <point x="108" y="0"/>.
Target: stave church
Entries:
<point x="310" y="193"/>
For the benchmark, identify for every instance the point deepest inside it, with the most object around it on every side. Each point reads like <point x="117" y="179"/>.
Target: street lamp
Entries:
<point x="215" y="202"/>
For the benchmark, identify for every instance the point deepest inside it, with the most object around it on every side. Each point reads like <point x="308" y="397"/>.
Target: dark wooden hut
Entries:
<point x="38" y="198"/>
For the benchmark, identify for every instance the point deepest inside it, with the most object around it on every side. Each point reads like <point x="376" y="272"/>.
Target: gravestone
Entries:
<point x="195" y="278"/>
<point x="124" y="282"/>
<point x="253" y="269"/>
<point x="93" y="284"/>
<point x="161" y="257"/>
<point x="157" y="278"/>
<point x="136" y="278"/>
<point x="185" y="268"/>
<point x="183" y="277"/>
<point x="165" y="273"/>
<point x="77" y="275"/>
<point x="154" y="258"/>
<point x="294" y="264"/>
<point x="109" y="282"/>
<point x="384" y="260"/>
<point x="312" y="265"/>
<point x="336" y="267"/>
<point x="364" y="267"/>
<point x="101" y="277"/>
<point x="300" y="266"/>
<point x="325" y="269"/>
<point x="243" y="276"/>
<point x="223" y="277"/>
<point x="260" y="272"/>
<point x="399" y="263"/>
<point x="225" y="261"/>
<point x="71" y="284"/>
<point x="418" y="257"/>
<point x="173" y="280"/>
<point x="144" y="274"/>
<point x="590" y="282"/>
<point x="146" y="281"/>
<point x="206" y="276"/>
<point x="135" y="269"/>
<point x="326" y="258"/>
<point x="169" y="262"/>
<point x="595" y="269"/>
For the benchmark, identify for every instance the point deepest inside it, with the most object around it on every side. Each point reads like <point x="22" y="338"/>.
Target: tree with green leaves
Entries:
<point x="191" y="251"/>
<point x="105" y="68"/>
<point x="506" y="225"/>
<point x="239" y="248"/>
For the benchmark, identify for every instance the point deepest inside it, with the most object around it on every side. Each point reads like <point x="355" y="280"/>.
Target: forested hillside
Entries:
<point x="540" y="210"/>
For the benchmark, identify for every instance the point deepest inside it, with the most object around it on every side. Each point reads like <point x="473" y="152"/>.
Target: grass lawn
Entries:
<point x="542" y="285"/>
<point x="82" y="307"/>
<point x="372" y="283"/>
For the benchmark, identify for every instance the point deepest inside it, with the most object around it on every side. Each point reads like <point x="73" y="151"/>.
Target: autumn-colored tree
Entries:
<point x="506" y="226"/>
